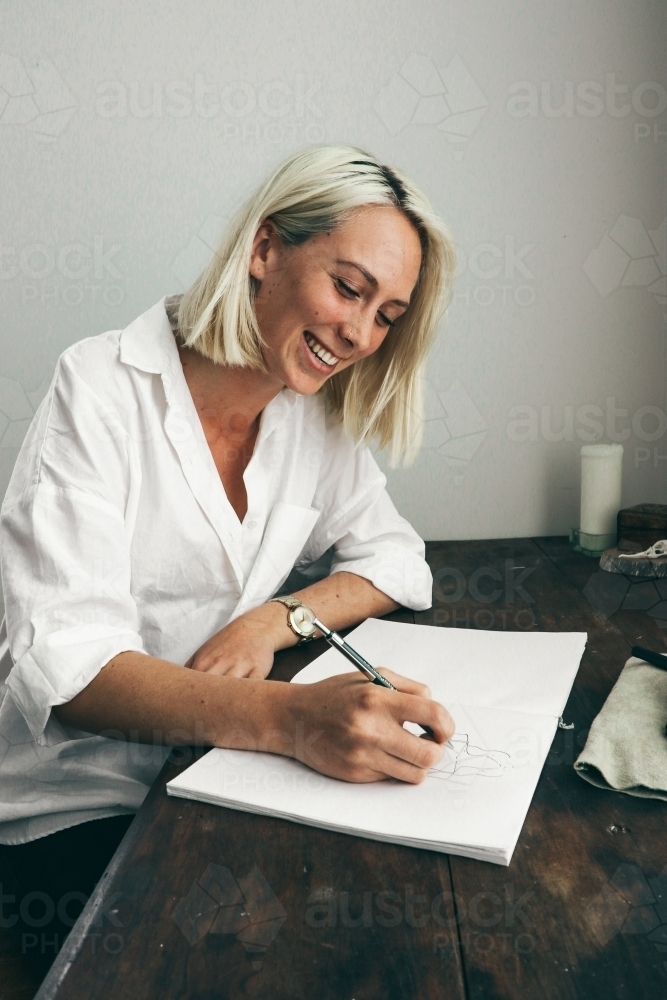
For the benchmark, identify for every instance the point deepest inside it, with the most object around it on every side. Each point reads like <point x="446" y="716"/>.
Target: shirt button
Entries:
<point x="252" y="524"/>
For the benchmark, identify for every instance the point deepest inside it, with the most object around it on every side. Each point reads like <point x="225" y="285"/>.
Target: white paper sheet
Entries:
<point x="521" y="671"/>
<point x="505" y="691"/>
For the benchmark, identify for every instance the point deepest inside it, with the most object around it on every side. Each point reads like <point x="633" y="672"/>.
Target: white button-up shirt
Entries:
<point x="117" y="534"/>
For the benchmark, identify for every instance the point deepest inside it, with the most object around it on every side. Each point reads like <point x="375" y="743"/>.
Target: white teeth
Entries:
<point x="319" y="351"/>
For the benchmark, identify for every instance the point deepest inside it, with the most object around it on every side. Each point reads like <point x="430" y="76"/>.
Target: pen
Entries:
<point x="655" y="659"/>
<point x="351" y="654"/>
<point x="360" y="663"/>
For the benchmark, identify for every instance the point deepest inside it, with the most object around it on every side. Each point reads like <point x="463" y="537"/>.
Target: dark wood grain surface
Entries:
<point x="580" y="912"/>
<point x="564" y="940"/>
<point x="18" y="979"/>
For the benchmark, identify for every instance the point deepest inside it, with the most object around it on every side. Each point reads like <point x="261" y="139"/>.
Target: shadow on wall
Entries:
<point x="560" y="502"/>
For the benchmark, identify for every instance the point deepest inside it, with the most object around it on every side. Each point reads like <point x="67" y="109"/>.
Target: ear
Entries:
<point x="263" y="256"/>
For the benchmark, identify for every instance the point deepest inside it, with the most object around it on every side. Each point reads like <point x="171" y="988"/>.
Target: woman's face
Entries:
<point x="330" y="302"/>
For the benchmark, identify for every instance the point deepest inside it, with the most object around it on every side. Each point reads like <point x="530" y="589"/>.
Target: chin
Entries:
<point x="304" y="383"/>
<point x="306" y="386"/>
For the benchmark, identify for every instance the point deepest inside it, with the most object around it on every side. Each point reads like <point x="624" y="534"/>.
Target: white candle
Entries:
<point x="601" y="467"/>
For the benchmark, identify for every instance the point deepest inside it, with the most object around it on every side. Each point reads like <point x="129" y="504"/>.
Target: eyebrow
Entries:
<point x="371" y="279"/>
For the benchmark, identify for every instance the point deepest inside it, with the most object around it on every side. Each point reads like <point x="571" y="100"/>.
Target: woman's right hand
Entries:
<point x="349" y="728"/>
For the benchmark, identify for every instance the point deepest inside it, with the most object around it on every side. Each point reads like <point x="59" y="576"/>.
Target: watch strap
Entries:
<point x="289" y="601"/>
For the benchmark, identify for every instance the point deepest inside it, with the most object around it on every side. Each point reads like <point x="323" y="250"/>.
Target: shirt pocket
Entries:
<point x="287" y="531"/>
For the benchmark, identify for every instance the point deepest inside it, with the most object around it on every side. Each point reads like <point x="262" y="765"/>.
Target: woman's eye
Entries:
<point x="352" y="292"/>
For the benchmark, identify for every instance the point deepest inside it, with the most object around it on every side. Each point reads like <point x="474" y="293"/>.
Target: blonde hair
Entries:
<point x="379" y="397"/>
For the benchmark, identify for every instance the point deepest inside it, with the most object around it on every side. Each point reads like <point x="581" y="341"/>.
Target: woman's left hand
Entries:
<point x="245" y="647"/>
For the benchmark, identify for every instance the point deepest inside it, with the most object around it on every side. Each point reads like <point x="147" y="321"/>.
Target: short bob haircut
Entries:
<point x="379" y="398"/>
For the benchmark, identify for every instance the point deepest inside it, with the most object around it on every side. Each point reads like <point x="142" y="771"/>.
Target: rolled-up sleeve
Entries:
<point x="64" y="550"/>
<point x="368" y="535"/>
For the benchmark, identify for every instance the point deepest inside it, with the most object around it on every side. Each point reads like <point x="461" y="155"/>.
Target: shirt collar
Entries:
<point x="148" y="344"/>
<point x="276" y="413"/>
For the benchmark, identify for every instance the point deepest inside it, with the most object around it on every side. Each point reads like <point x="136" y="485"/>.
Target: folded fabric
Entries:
<point x="626" y="749"/>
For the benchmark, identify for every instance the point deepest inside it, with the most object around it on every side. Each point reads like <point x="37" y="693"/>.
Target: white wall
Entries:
<point x="128" y="132"/>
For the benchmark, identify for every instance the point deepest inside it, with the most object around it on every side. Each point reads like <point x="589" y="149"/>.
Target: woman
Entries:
<point x="172" y="477"/>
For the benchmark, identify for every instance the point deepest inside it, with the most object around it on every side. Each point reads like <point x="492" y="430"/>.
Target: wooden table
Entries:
<point x="580" y="912"/>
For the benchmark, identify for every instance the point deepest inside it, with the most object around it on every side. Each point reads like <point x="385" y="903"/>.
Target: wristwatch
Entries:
<point x="299" y="617"/>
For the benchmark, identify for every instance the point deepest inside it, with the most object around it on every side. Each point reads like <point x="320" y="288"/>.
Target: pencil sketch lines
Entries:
<point x="464" y="759"/>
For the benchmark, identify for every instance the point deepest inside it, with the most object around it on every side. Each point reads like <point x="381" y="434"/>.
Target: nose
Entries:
<point x="358" y="333"/>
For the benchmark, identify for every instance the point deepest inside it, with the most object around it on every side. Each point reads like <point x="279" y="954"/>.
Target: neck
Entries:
<point x="228" y="399"/>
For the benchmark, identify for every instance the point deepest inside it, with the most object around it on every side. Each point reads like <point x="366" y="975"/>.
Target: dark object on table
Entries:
<point x="650" y="656"/>
<point x="645" y="523"/>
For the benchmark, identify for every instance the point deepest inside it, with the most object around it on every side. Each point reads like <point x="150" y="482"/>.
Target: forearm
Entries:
<point x="343" y="726"/>
<point x="341" y="600"/>
<point x="152" y="700"/>
<point x="149" y="699"/>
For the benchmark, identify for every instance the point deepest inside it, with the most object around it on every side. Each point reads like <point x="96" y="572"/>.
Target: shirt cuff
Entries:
<point x="60" y="665"/>
<point x="400" y="574"/>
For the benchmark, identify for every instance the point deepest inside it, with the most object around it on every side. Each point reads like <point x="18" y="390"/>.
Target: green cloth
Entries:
<point x="626" y="749"/>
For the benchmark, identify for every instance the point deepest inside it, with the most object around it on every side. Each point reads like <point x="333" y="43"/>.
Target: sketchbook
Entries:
<point x="505" y="691"/>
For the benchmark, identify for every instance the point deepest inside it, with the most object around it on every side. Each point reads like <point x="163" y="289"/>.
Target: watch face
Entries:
<point x="302" y="619"/>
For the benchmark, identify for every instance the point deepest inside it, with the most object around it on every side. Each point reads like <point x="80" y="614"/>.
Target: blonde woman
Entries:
<point x="175" y="473"/>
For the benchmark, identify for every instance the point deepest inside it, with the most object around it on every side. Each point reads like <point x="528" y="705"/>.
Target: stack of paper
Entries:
<point x="505" y="691"/>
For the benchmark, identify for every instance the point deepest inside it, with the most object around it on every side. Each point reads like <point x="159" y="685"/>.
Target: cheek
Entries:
<point x="318" y="301"/>
<point x="377" y="339"/>
<point x="318" y="309"/>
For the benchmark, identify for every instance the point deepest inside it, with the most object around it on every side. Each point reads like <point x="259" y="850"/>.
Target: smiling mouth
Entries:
<point x="320" y="351"/>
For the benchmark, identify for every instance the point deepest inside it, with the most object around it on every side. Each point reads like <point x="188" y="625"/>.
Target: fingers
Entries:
<point x="230" y="670"/>
<point x="410" y="763"/>
<point x="403" y="770"/>
<point x="257" y="672"/>
<point x="364" y="726"/>
<point x="231" y="663"/>
<point x="405" y="684"/>
<point x="221" y="667"/>
<point x="411" y="751"/>
<point x="425" y="712"/>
